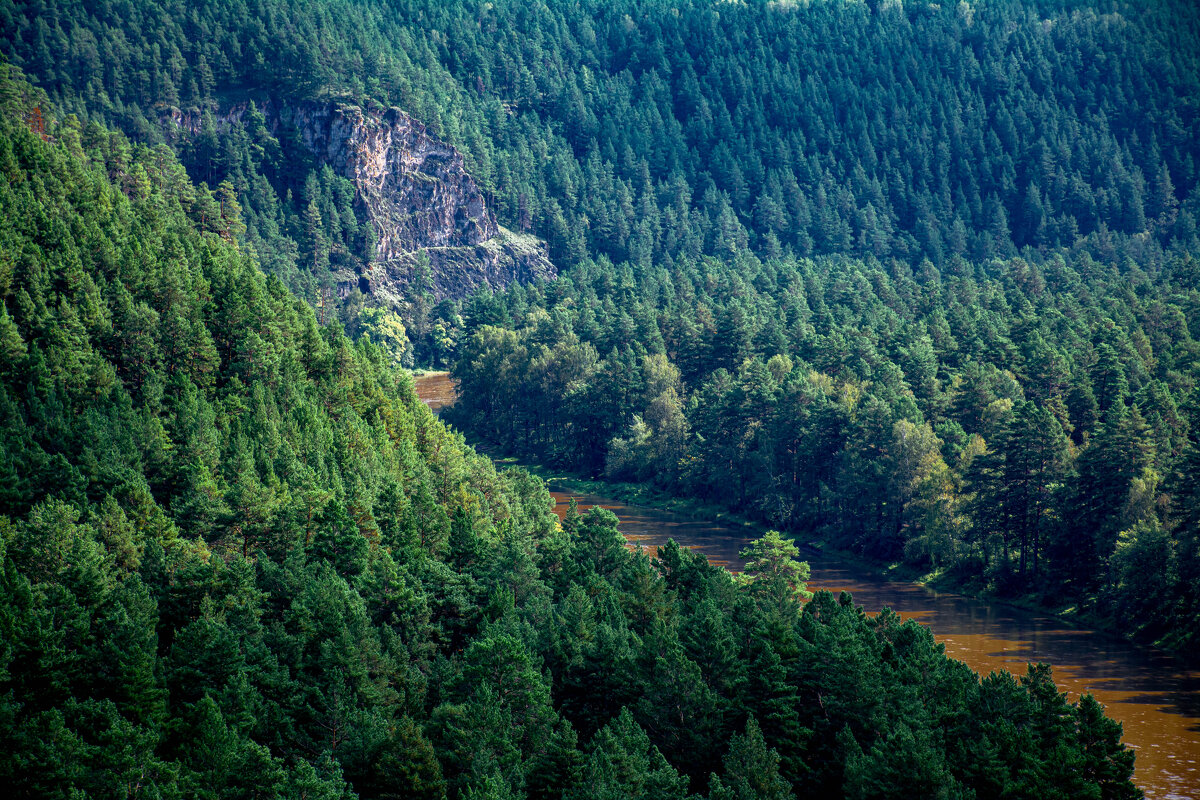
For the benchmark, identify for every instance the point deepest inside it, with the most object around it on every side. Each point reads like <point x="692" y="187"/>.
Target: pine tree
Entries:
<point x="623" y="763"/>
<point x="774" y="575"/>
<point x="751" y="770"/>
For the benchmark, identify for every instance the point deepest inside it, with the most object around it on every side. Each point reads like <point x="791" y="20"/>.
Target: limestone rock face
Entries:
<point x="414" y="187"/>
<point x="416" y="193"/>
<point x="457" y="272"/>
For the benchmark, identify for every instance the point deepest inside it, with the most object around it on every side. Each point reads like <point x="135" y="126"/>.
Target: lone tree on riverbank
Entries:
<point x="774" y="573"/>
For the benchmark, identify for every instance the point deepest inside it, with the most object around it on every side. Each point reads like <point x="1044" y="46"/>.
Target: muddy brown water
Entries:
<point x="1155" y="697"/>
<point x="436" y="389"/>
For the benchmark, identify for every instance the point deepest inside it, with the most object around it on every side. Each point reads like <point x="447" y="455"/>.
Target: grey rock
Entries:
<point x="415" y="191"/>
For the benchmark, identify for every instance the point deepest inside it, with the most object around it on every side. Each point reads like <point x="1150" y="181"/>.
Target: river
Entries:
<point x="436" y="389"/>
<point x="1156" y="698"/>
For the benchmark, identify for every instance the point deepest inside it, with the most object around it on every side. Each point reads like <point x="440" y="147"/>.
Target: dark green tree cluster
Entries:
<point x="987" y="366"/>
<point x="1028" y="423"/>
<point x="648" y="131"/>
<point x="240" y="559"/>
<point x="885" y="129"/>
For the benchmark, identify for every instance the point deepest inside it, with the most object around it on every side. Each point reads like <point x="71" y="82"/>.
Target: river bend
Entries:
<point x="1155" y="697"/>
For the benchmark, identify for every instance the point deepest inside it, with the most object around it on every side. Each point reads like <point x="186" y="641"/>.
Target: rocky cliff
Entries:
<point x="457" y="271"/>
<point x="414" y="190"/>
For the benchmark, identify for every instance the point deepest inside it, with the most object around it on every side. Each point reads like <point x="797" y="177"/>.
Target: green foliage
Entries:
<point x="774" y="573"/>
<point x="646" y="133"/>
<point x="751" y="770"/>
<point x="948" y="418"/>
<point x="206" y="482"/>
<point x="385" y="329"/>
<point x="624" y="763"/>
<point x="239" y="558"/>
<point x="915" y="278"/>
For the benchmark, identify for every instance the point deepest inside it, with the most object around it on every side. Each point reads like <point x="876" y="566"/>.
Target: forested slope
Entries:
<point x="241" y="559"/>
<point x="916" y="278"/>
<point x="885" y="128"/>
<point x="648" y="132"/>
<point x="1029" y="426"/>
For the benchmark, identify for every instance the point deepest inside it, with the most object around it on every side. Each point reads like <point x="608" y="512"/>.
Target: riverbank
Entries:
<point x="1148" y="691"/>
<point x="937" y="580"/>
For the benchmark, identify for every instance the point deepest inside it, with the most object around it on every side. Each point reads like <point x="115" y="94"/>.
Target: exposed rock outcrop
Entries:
<point x="415" y="188"/>
<point x="505" y="258"/>
<point x="416" y="193"/>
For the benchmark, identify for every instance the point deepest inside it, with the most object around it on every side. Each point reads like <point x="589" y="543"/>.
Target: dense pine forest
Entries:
<point x="650" y="133"/>
<point x="1029" y="427"/>
<point x="241" y="559"/>
<point x="916" y="280"/>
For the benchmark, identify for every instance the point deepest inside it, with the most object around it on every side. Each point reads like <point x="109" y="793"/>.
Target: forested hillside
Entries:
<point x="916" y="279"/>
<point x="239" y="558"/>
<point x="883" y="129"/>
<point x="1031" y="427"/>
<point x="649" y="132"/>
